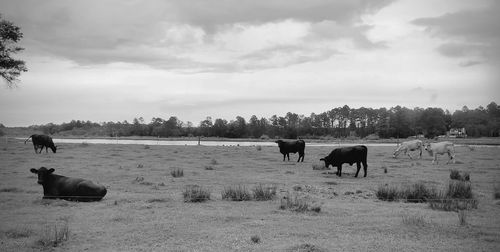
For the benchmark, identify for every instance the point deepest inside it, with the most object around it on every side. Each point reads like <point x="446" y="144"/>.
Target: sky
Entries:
<point x="116" y="60"/>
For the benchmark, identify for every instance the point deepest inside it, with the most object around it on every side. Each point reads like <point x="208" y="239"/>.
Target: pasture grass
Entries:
<point x="195" y="193"/>
<point x="236" y="193"/>
<point x="263" y="193"/>
<point x="53" y="237"/>
<point x="177" y="172"/>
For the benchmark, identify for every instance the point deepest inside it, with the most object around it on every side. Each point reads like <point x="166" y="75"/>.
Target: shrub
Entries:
<point x="255" y="239"/>
<point x="178" y="172"/>
<point x="387" y="193"/>
<point x="456" y="175"/>
<point x="458" y="196"/>
<point x="418" y="192"/>
<point x="195" y="194"/>
<point x="236" y="193"/>
<point x="261" y="193"/>
<point x="496" y="191"/>
<point x="53" y="237"/>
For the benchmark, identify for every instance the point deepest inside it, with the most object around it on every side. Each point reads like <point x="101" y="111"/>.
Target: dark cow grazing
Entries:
<point x="355" y="154"/>
<point x="41" y="141"/>
<point x="287" y="147"/>
<point x="75" y="189"/>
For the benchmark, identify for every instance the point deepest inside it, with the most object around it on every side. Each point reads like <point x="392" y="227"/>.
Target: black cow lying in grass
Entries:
<point x="76" y="189"/>
<point x="41" y="141"/>
<point x="287" y="147"/>
<point x="355" y="154"/>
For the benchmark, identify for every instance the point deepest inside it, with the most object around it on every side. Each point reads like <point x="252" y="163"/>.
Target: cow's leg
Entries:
<point x="288" y="156"/>
<point x="408" y="154"/>
<point x="434" y="160"/>
<point x="365" y="167"/>
<point x="36" y="149"/>
<point x="420" y="153"/>
<point x="301" y="155"/>
<point x="284" y="155"/>
<point x="358" y="165"/>
<point x="339" y="170"/>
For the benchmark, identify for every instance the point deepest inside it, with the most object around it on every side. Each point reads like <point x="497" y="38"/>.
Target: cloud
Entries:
<point x="470" y="34"/>
<point x="188" y="35"/>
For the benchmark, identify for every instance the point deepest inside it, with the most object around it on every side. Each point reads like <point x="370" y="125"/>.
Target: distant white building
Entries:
<point x="457" y="132"/>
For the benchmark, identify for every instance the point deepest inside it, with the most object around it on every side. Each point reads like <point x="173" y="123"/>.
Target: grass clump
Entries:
<point x="236" y="193"/>
<point x="53" y="237"/>
<point x="176" y="173"/>
<point x="387" y="193"/>
<point x="462" y="217"/>
<point x="458" y="196"/>
<point x="296" y="204"/>
<point x="496" y="191"/>
<point x="457" y="175"/>
<point x="255" y="239"/>
<point x="418" y="193"/>
<point x="413" y="220"/>
<point x="11" y="189"/>
<point x="16" y="233"/>
<point x="195" y="193"/>
<point x="262" y="193"/>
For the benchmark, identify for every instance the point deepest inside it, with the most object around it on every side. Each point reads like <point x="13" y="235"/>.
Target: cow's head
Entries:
<point x="54" y="148"/>
<point x="43" y="174"/>
<point x="279" y="142"/>
<point x="327" y="161"/>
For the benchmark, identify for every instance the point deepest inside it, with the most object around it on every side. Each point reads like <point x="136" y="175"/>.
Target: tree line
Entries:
<point x="340" y="122"/>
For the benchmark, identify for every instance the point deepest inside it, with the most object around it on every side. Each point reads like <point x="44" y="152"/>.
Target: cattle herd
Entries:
<point x="77" y="189"/>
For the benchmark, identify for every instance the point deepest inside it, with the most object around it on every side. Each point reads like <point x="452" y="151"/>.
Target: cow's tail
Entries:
<point x="27" y="139"/>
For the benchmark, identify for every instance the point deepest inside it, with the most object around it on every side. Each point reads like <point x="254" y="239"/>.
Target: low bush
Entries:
<point x="236" y="193"/>
<point x="457" y="175"/>
<point x="418" y="193"/>
<point x="195" y="194"/>
<point x="458" y="196"/>
<point x="53" y="237"/>
<point x="387" y="193"/>
<point x="178" y="172"/>
<point x="496" y="191"/>
<point x="262" y="193"/>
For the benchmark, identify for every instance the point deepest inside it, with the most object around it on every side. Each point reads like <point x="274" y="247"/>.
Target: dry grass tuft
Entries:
<point x="11" y="189"/>
<point x="457" y="175"/>
<point x="255" y="239"/>
<point x="387" y="193"/>
<point x="319" y="167"/>
<point x="53" y="237"/>
<point x="413" y="220"/>
<point x="177" y="172"/>
<point x="262" y="193"/>
<point x="209" y="168"/>
<point x="296" y="204"/>
<point x="258" y="147"/>
<point x="462" y="217"/>
<point x="236" y="193"/>
<point x="195" y="193"/>
<point x="496" y="191"/>
<point x="458" y="196"/>
<point x="306" y="247"/>
<point x="21" y="232"/>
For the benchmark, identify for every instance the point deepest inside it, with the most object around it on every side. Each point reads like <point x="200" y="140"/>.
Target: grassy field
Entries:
<point x="145" y="209"/>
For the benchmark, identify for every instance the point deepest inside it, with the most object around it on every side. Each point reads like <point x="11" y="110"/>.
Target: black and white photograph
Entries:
<point x="250" y="125"/>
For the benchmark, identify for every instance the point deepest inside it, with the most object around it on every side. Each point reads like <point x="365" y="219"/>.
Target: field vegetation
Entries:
<point x="250" y="201"/>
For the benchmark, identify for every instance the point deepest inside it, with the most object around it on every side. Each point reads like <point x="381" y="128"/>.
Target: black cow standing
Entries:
<point x="355" y="154"/>
<point x="287" y="147"/>
<point x="75" y="189"/>
<point x="41" y="141"/>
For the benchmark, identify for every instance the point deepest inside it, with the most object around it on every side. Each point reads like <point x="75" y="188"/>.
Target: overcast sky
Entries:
<point x="116" y="60"/>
